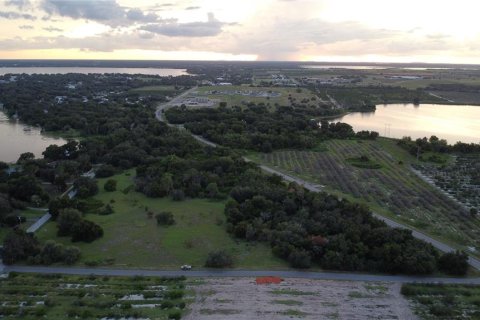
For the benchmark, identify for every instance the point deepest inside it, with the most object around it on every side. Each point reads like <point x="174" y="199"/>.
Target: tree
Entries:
<point x="59" y="204"/>
<point x="67" y="221"/>
<point x="86" y="187"/>
<point x="165" y="218"/>
<point x="454" y="263"/>
<point x="5" y="207"/>
<point x="473" y="212"/>
<point x="212" y="190"/>
<point x="86" y="231"/>
<point x="24" y="187"/>
<point x="19" y="245"/>
<point x="25" y="157"/>
<point x="219" y="259"/>
<point x="105" y="171"/>
<point x="178" y="195"/>
<point x="110" y="185"/>
<point x="52" y="252"/>
<point x="71" y="255"/>
<point x="299" y="259"/>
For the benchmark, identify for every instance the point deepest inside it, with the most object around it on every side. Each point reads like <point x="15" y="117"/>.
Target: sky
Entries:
<point x="434" y="31"/>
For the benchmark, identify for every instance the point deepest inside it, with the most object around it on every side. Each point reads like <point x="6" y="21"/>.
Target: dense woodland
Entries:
<point x="302" y="227"/>
<point x="256" y="128"/>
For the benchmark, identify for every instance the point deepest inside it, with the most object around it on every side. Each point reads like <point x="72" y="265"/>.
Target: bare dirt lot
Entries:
<point x="297" y="299"/>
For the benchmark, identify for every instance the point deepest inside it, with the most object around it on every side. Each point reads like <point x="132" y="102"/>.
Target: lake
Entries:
<point x="451" y="122"/>
<point x="14" y="140"/>
<point x="86" y="70"/>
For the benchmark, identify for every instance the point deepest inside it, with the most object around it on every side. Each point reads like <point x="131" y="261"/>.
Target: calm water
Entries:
<point x="84" y="70"/>
<point x="451" y="122"/>
<point x="15" y="141"/>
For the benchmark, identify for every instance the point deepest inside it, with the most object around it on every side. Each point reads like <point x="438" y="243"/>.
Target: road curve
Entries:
<point x="474" y="262"/>
<point x="241" y="273"/>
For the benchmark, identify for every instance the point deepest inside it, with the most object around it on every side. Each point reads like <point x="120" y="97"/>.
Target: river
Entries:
<point x="85" y="70"/>
<point x="451" y="122"/>
<point x="17" y="138"/>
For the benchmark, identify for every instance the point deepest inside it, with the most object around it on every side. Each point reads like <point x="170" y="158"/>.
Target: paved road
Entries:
<point x="171" y="103"/>
<point x="474" y="262"/>
<point x="241" y="273"/>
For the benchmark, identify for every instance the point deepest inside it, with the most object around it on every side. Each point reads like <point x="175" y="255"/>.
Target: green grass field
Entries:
<point x="392" y="190"/>
<point x="132" y="239"/>
<point x="31" y="296"/>
<point x="239" y="100"/>
<point x="152" y="90"/>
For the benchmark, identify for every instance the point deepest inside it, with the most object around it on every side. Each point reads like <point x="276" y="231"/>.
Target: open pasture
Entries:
<point x="132" y="237"/>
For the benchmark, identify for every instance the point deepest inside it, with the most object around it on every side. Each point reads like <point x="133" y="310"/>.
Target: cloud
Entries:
<point x="26" y="27"/>
<point x="52" y="29"/>
<point x="211" y="27"/>
<point x="192" y="8"/>
<point x="98" y="10"/>
<point x="14" y="15"/>
<point x="20" y="4"/>
<point x="138" y="15"/>
<point x="108" y="12"/>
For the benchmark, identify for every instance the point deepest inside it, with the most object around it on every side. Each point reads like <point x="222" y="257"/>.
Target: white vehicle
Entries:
<point x="186" y="267"/>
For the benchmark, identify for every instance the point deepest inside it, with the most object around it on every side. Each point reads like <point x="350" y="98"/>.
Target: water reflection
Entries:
<point x="17" y="138"/>
<point x="451" y="122"/>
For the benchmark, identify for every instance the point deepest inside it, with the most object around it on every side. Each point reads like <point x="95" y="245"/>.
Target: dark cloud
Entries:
<point x="104" y="11"/>
<point x="139" y="16"/>
<point x="53" y="29"/>
<point x="211" y="27"/>
<point x="20" y="4"/>
<point x="97" y="10"/>
<point x="26" y="27"/>
<point x="192" y="8"/>
<point x="15" y="15"/>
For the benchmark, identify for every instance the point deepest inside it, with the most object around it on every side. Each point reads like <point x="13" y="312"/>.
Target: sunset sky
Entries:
<point x="307" y="30"/>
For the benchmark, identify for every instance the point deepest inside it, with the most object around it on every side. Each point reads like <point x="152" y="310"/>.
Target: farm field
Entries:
<point x="460" y="178"/>
<point x="31" y="296"/>
<point x="133" y="239"/>
<point x="243" y="299"/>
<point x="279" y="95"/>
<point x="472" y="98"/>
<point x="437" y="301"/>
<point x="394" y="190"/>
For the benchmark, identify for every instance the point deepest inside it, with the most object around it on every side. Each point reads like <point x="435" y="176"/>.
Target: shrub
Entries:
<point x="105" y="171"/>
<point x="299" y="259"/>
<point x="454" y="263"/>
<point x="176" y="315"/>
<point x="178" y="195"/>
<point x="219" y="259"/>
<point x="167" y="304"/>
<point x="165" y="218"/>
<point x="86" y="231"/>
<point x="86" y="187"/>
<point x="108" y="209"/>
<point x="110" y="185"/>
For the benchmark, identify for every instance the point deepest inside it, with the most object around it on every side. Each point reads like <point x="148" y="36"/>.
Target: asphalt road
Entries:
<point x="241" y="273"/>
<point x="474" y="262"/>
<point x="248" y="273"/>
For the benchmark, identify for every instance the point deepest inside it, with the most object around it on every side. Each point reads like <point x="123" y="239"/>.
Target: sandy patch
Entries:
<point x="242" y="299"/>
